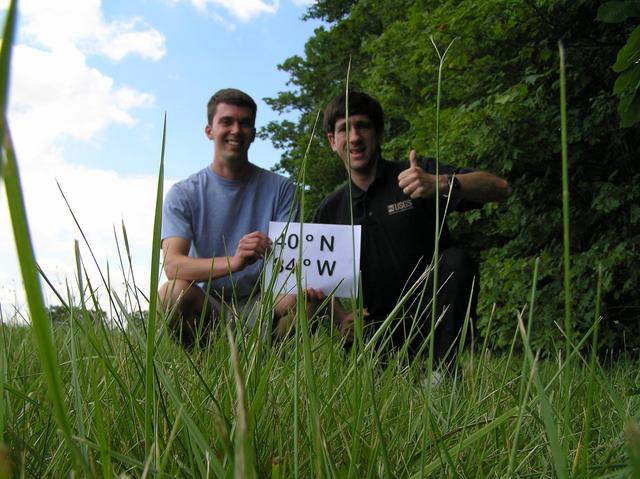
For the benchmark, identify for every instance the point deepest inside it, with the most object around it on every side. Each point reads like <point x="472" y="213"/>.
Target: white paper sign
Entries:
<point x="328" y="259"/>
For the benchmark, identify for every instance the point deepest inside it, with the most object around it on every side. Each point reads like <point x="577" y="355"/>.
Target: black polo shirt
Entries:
<point x="398" y="233"/>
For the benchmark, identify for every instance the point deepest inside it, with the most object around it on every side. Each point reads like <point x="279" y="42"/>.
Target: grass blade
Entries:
<point x="565" y="203"/>
<point x="376" y="419"/>
<point x="436" y="251"/>
<point x="469" y="441"/>
<point x="244" y="457"/>
<point x="592" y="379"/>
<point x="149" y="395"/>
<point x="632" y="436"/>
<point x="6" y="47"/>
<point x="551" y="428"/>
<point x="35" y="300"/>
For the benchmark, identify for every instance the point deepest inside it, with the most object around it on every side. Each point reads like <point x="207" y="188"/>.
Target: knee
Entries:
<point x="460" y="269"/>
<point x="456" y="260"/>
<point x="178" y="291"/>
<point x="285" y="304"/>
<point x="188" y="312"/>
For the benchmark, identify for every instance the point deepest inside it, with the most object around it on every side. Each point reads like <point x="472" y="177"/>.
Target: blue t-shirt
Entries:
<point x="214" y="213"/>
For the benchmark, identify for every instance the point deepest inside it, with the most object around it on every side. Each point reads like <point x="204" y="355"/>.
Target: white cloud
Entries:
<point x="101" y="200"/>
<point x="148" y="44"/>
<point x="55" y="95"/>
<point x="61" y="24"/>
<point x="243" y="10"/>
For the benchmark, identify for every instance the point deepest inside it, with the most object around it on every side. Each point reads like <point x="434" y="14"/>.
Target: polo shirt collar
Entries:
<point x="356" y="192"/>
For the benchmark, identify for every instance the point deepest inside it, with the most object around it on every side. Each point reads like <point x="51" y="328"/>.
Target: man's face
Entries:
<point x="362" y="143"/>
<point x="232" y="131"/>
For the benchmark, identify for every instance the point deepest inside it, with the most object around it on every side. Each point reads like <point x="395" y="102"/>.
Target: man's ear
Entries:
<point x="332" y="141"/>
<point x="207" y="131"/>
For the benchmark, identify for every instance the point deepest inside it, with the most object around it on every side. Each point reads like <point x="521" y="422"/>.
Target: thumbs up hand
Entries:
<point x="413" y="159"/>
<point x="415" y="182"/>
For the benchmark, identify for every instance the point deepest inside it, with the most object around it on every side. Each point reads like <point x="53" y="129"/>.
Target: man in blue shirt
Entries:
<point x="214" y="227"/>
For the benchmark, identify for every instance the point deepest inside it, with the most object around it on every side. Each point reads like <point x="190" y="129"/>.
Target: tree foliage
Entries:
<point x="627" y="85"/>
<point x="59" y="314"/>
<point x="499" y="112"/>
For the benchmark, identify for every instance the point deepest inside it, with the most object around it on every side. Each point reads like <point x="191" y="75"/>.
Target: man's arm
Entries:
<point x="179" y="265"/>
<point x="287" y="208"/>
<point x="476" y="186"/>
<point x="480" y="187"/>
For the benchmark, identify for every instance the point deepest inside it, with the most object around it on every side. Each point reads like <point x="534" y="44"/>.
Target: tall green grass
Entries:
<point x="24" y="247"/>
<point x="375" y="424"/>
<point x="102" y="401"/>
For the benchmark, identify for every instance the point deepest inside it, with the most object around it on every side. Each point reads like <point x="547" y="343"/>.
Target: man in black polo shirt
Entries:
<point x="395" y="204"/>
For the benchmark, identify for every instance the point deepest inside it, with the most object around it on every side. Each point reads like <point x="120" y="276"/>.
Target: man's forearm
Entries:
<point x="482" y="187"/>
<point x="199" y="269"/>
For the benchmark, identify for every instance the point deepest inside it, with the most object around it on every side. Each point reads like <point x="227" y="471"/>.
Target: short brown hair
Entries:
<point x="230" y="96"/>
<point x="359" y="104"/>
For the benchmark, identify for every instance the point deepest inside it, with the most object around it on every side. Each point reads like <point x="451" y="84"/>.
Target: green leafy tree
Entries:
<point x="499" y="112"/>
<point x="60" y="314"/>
<point x="627" y="85"/>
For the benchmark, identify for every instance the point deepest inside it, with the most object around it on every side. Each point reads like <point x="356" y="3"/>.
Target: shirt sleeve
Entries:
<point x="457" y="204"/>
<point x="176" y="215"/>
<point x="284" y="210"/>
<point x="429" y="165"/>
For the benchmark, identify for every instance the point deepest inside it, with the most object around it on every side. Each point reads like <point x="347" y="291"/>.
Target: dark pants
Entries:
<point x="457" y="276"/>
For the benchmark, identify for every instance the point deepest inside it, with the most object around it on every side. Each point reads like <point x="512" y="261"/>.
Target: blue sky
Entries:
<point x="205" y="50"/>
<point x="91" y="82"/>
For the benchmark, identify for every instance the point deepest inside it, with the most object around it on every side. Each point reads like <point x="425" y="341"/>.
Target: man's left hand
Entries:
<point x="417" y="183"/>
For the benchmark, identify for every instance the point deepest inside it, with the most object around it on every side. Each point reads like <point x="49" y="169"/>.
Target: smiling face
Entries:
<point x="362" y="143"/>
<point x="232" y="131"/>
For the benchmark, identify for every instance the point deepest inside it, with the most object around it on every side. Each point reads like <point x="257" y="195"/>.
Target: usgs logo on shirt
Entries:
<point x="399" y="207"/>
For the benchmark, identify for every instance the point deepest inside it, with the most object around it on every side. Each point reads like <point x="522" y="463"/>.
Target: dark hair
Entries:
<point x="230" y="96"/>
<point x="359" y="104"/>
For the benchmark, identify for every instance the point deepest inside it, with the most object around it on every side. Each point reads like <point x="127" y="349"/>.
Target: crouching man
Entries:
<point x="395" y="204"/>
<point x="214" y="228"/>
